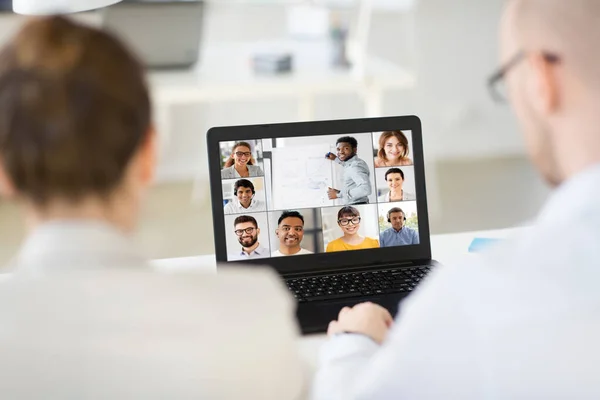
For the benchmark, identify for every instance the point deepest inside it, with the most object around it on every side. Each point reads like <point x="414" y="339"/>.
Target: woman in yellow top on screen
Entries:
<point x="349" y="221"/>
<point x="241" y="164"/>
<point x="393" y="150"/>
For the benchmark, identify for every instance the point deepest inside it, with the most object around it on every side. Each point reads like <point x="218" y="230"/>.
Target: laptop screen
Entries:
<point x="297" y="196"/>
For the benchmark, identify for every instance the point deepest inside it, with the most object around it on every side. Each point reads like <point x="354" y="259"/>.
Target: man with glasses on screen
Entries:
<point x="246" y="229"/>
<point x="521" y="321"/>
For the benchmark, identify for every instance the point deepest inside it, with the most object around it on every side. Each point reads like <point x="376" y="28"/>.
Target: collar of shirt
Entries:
<point x="259" y="251"/>
<point x="580" y="194"/>
<point x="238" y="204"/>
<point x="76" y="244"/>
<point x="351" y="161"/>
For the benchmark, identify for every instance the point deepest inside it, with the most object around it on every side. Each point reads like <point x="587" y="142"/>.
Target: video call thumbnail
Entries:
<point x="328" y="193"/>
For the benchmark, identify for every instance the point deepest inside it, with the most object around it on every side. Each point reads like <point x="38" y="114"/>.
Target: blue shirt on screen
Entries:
<point x="390" y="237"/>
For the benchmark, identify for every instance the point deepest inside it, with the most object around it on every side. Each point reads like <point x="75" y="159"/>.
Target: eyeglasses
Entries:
<point x="497" y="91"/>
<point x="243" y="153"/>
<point x="240" y="232"/>
<point x="346" y="221"/>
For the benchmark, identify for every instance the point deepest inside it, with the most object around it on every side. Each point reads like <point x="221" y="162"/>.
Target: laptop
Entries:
<point x="337" y="208"/>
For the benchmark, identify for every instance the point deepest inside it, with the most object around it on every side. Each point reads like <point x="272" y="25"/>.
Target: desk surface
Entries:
<point x="445" y="248"/>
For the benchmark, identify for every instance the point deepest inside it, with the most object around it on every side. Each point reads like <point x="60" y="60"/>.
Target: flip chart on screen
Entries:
<point x="301" y="176"/>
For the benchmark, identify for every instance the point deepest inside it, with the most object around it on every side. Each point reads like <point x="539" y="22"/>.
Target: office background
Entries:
<point x="473" y="150"/>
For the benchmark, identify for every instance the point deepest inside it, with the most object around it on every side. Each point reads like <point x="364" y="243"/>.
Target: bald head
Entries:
<point x="555" y="88"/>
<point x="567" y="28"/>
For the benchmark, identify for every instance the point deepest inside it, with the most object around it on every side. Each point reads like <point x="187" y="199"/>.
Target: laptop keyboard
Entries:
<point x="356" y="284"/>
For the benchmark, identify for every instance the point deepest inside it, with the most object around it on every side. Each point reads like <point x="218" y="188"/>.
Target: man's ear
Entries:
<point x="7" y="188"/>
<point x="545" y="84"/>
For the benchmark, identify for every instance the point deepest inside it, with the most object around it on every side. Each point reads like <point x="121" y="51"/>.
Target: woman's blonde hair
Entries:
<point x="74" y="109"/>
<point x="230" y="160"/>
<point x="384" y="138"/>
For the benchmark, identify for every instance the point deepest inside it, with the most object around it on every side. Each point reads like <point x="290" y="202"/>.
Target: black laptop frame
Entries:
<point x="322" y="262"/>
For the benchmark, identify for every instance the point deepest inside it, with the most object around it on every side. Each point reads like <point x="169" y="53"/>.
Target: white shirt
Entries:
<point x="302" y="251"/>
<point x="521" y="322"/>
<point x="84" y="317"/>
<point x="235" y="207"/>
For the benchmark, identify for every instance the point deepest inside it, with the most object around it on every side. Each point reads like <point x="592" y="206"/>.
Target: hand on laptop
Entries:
<point x="368" y="319"/>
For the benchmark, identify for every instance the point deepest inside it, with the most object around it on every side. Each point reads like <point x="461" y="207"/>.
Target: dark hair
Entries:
<point x="394" y="171"/>
<point x="288" y="214"/>
<point x="395" y="210"/>
<point x="348" y="139"/>
<point x="242" y="183"/>
<point x="348" y="210"/>
<point x="74" y="109"/>
<point x="230" y="161"/>
<point x="388" y="134"/>
<point x="245" y="218"/>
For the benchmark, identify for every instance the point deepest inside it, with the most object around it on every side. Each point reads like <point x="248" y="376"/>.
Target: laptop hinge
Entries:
<point x="345" y="270"/>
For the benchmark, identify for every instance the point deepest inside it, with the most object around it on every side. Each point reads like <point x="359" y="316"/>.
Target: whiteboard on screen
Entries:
<point x="301" y="176"/>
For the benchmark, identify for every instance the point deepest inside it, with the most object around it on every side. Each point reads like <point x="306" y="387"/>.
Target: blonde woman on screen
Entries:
<point x="349" y="222"/>
<point x="241" y="163"/>
<point x="77" y="152"/>
<point x="393" y="150"/>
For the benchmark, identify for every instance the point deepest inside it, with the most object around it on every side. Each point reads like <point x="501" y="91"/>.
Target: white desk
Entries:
<point x="445" y="249"/>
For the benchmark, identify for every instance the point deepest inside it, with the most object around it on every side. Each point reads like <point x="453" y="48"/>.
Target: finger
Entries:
<point x="332" y="328"/>
<point x="343" y="311"/>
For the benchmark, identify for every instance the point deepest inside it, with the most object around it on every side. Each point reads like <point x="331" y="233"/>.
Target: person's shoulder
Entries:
<point x="226" y="172"/>
<point x="254" y="285"/>
<point x="412" y="231"/>
<point x="304" y="251"/>
<point x="259" y="205"/>
<point x="378" y="162"/>
<point x="276" y="253"/>
<point x="359" y="161"/>
<point x="334" y="244"/>
<point x="371" y="241"/>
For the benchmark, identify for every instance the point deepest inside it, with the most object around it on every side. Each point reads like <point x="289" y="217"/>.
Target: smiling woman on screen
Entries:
<point x="241" y="163"/>
<point x="393" y="150"/>
<point x="349" y="222"/>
